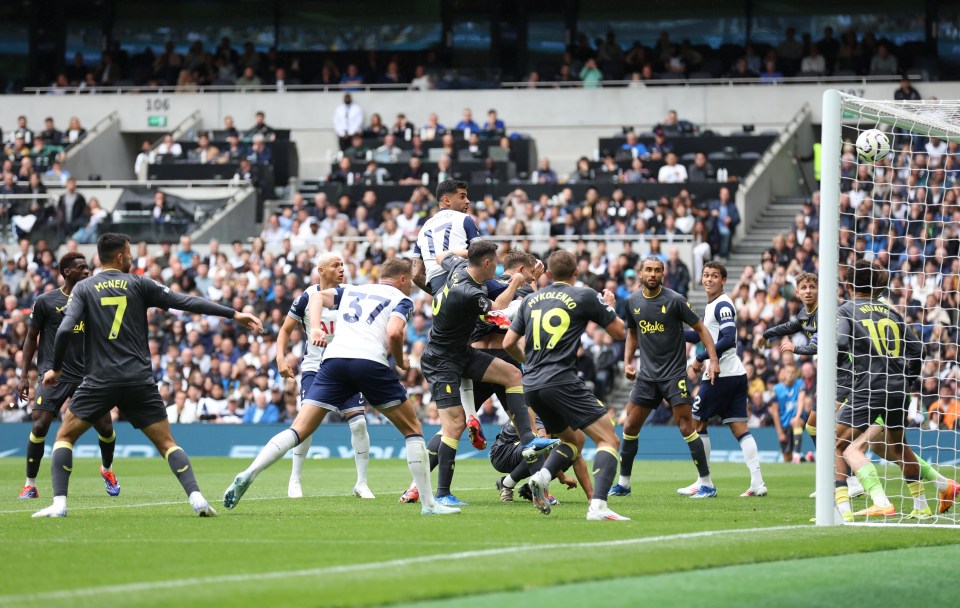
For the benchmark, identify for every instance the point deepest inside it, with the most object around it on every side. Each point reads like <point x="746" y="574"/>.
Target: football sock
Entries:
<point x="517" y="409"/>
<point x="521" y="471"/>
<point x="466" y="397"/>
<point x="35" y="447"/>
<point x="812" y="431"/>
<point x="867" y="474"/>
<point x="604" y="470"/>
<point x="279" y="444"/>
<point x="751" y="456"/>
<point x="299" y="457"/>
<point x="695" y="444"/>
<point x="919" y="498"/>
<point x="598" y="504"/>
<point x="928" y="473"/>
<point x="432" y="448"/>
<point x="628" y="451"/>
<point x="560" y="458"/>
<point x="61" y="465"/>
<point x="797" y="441"/>
<point x="361" y="446"/>
<point x="417" y="462"/>
<point x="705" y="438"/>
<point x="446" y="461"/>
<point x="107" y="447"/>
<point x="180" y="465"/>
<point x="841" y="495"/>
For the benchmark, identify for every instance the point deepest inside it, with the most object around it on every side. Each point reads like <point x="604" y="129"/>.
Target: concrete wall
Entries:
<point x="566" y="123"/>
<point x="104" y="152"/>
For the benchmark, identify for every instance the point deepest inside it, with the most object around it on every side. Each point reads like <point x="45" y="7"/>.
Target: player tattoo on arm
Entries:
<point x="420" y="274"/>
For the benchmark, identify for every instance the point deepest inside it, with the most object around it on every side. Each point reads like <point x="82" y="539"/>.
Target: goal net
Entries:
<point x="896" y="371"/>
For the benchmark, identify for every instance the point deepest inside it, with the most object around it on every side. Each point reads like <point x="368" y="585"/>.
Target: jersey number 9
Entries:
<point x="554" y="323"/>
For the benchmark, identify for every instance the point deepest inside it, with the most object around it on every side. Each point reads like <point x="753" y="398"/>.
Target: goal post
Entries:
<point x="909" y="200"/>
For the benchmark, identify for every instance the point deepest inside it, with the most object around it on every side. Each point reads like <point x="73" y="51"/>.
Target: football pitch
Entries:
<point x="146" y="548"/>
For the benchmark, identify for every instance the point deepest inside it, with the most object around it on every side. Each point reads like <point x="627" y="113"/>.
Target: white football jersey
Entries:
<point x="718" y="315"/>
<point x="445" y="231"/>
<point x="363" y="312"/>
<point x="300" y="312"/>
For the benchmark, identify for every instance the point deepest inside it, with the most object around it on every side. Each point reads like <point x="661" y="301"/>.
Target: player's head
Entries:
<point x="864" y="277"/>
<point x="73" y="267"/>
<point x="482" y="256"/>
<point x="651" y="273"/>
<point x="452" y="194"/>
<point x="562" y="266"/>
<point x="397" y="272"/>
<point x="113" y="249"/>
<point x="713" y="278"/>
<point x="807" y="288"/>
<point x="330" y="269"/>
<point x="517" y="260"/>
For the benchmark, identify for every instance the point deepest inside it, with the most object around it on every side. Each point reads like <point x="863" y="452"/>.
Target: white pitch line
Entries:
<point x="184" y="502"/>
<point x="377" y="566"/>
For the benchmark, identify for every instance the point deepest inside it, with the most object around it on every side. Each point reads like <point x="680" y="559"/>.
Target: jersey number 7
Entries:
<point x="357" y="311"/>
<point x="121" y="303"/>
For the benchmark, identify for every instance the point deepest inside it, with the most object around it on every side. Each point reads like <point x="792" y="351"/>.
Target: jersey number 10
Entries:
<point x="890" y="330"/>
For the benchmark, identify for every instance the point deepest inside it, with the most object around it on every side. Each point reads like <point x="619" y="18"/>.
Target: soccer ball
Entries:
<point x="873" y="145"/>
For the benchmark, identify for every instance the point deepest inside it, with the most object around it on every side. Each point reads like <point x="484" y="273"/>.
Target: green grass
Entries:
<point x="145" y="548"/>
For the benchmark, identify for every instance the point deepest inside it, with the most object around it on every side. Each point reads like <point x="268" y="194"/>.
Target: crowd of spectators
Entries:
<point x="586" y="63"/>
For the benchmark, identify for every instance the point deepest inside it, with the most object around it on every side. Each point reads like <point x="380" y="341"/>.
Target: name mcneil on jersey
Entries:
<point x="110" y="284"/>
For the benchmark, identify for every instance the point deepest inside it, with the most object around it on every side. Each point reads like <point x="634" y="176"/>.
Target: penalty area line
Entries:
<point x="179" y="583"/>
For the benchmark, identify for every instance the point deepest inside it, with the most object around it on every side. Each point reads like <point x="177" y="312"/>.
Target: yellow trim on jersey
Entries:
<point x="171" y="451"/>
<point x="514" y="390"/>
<point x="451" y="442"/>
<point x="610" y="451"/>
<point x="63" y="444"/>
<point x="692" y="437"/>
<point x="110" y="439"/>
<point x="35" y="439"/>
<point x="659" y="291"/>
<point x="561" y="283"/>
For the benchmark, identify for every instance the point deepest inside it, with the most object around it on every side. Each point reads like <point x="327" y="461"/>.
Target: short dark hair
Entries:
<point x="110" y="244"/>
<point x="716" y="266"/>
<point x="865" y="276"/>
<point x="395" y="267"/>
<point x="805" y="277"/>
<point x="68" y="259"/>
<point x="562" y="264"/>
<point x="449" y="186"/>
<point x="652" y="259"/>
<point x="518" y="257"/>
<point x="479" y="251"/>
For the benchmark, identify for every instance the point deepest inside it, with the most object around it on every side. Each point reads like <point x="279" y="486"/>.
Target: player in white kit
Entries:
<point x="330" y="270"/>
<point x="726" y="397"/>
<point x="451" y="230"/>
<point x="371" y="319"/>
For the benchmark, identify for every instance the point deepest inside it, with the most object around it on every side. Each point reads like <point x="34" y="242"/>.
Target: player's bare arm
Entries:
<point x="283" y="339"/>
<point x="29" y="350"/>
<point x="707" y="339"/>
<point x="395" y="334"/>
<point x="315" y="305"/>
<point x="511" y="344"/>
<point x="419" y="274"/>
<point x="507" y="295"/>
<point x="629" y="350"/>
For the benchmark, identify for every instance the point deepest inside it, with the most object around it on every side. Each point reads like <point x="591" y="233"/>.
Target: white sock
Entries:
<point x="60" y="502"/>
<point x="705" y="438"/>
<point x="508" y="482"/>
<point x="751" y="456"/>
<point x="705" y="481"/>
<point x="920" y="502"/>
<point x="107" y="469"/>
<point x="466" y="397"/>
<point x="597" y="504"/>
<point x="843" y="507"/>
<point x="31" y="481"/>
<point x="879" y="497"/>
<point x="418" y="461"/>
<point x="360" y="440"/>
<point x="276" y="448"/>
<point x="299" y="457"/>
<point x="941" y="482"/>
<point x="624" y="481"/>
<point x="196" y="498"/>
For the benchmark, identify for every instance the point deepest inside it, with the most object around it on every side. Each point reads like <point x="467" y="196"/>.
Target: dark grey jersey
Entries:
<point x="661" y="342"/>
<point x="553" y="319"/>
<point x="885" y="352"/>
<point x="805" y="323"/>
<point x="112" y="308"/>
<point x="495" y="287"/>
<point x="456" y="310"/>
<point x="46" y="316"/>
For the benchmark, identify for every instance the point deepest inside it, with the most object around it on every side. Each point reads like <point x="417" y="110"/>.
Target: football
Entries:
<point x="873" y="145"/>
